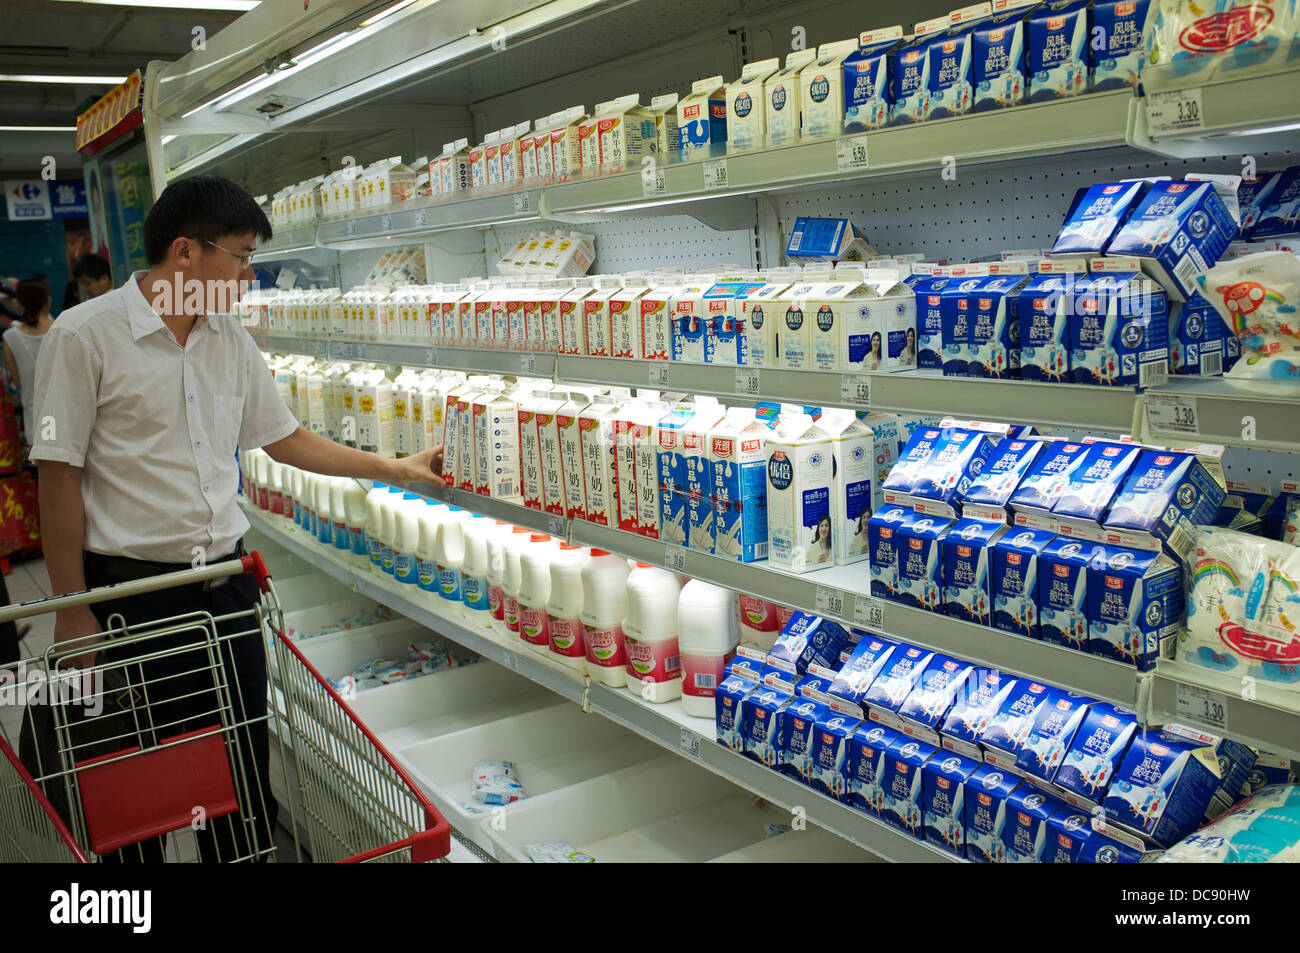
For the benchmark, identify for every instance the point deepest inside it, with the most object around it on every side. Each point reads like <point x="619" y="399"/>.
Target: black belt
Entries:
<point x="123" y="569"/>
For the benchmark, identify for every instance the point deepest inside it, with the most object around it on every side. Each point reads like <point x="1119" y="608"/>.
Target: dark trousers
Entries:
<point x="181" y="696"/>
<point x="9" y="651"/>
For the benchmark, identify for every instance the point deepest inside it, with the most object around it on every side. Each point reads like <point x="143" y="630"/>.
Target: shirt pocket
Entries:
<point x="227" y="420"/>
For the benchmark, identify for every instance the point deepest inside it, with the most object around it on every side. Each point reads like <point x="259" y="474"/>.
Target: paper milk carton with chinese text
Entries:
<point x="867" y="91"/>
<point x="701" y="525"/>
<point x="759" y="316"/>
<point x="894" y="684"/>
<point x="1135" y="605"/>
<point x="966" y="554"/>
<point x="902" y="786"/>
<point x="799" y="482"/>
<point x="1008" y="729"/>
<point x="655" y="320"/>
<point x="1013" y="579"/>
<point x="998" y="57"/>
<point x="738" y="457"/>
<point x="909" y="69"/>
<point x="702" y="121"/>
<point x="986" y="794"/>
<point x="853" y="468"/>
<point x="1046" y="304"/>
<point x="1057" y="60"/>
<point x="866" y="766"/>
<point x="1166" y="495"/>
<point x="1163" y="786"/>
<point x="1063" y="591"/>
<point x="1026" y="835"/>
<point x="595" y="437"/>
<point x="949" y="92"/>
<point x="674" y="523"/>
<point x="994" y="347"/>
<point x="989" y="495"/>
<point x="821" y="90"/>
<point x="762" y="716"/>
<point x="1097" y="215"/>
<point x="828" y="755"/>
<point x="1049" y="738"/>
<point x="746" y="116"/>
<point x="1094" y="484"/>
<point x="1095" y="753"/>
<point x="865" y="662"/>
<point x="1120" y="54"/>
<point x="944" y="800"/>
<point x="781" y="99"/>
<point x="929" y="318"/>
<point x="1119" y="331"/>
<point x="927" y="705"/>
<point x="739" y="682"/>
<point x="883" y="538"/>
<point x="978" y="700"/>
<point x="690" y="320"/>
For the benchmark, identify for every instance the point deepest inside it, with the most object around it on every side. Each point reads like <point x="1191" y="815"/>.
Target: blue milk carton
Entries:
<point x="1119" y="332"/>
<point x="1009" y="728"/>
<point x="1197" y="339"/>
<point x="913" y="461"/>
<point x="702" y="121"/>
<point x="943" y="800"/>
<point x="761" y="716"/>
<point x="866" y="766"/>
<point x="1096" y="216"/>
<point x="1025" y="836"/>
<point x="1013" y="579"/>
<point x="1068" y="831"/>
<point x="988" y="497"/>
<point x="806" y="640"/>
<point x="1094" y="484"/>
<point x="949" y="90"/>
<point x="829" y="756"/>
<point x="882" y="543"/>
<point x="965" y="555"/>
<point x="987" y="791"/>
<point x="1063" y="591"/>
<point x="740" y="678"/>
<point x="738" y="455"/>
<point x="1046" y="302"/>
<point x="1046" y="480"/>
<point x="1179" y="230"/>
<point x="1049" y="738"/>
<point x="909" y="68"/>
<point x="1057" y="61"/>
<point x="928" y="704"/>
<point x="957" y="312"/>
<point x="1163" y="786"/>
<point x="978" y="701"/>
<point x="895" y="682"/>
<point x="1118" y="51"/>
<point x="902" y="784"/>
<point x="1135" y="605"/>
<point x="1101" y="849"/>
<point x="1280" y="210"/>
<point x="867" y="91"/>
<point x="721" y="328"/>
<point x="1252" y="196"/>
<point x="1095" y="754"/>
<point x="798" y="724"/>
<point x="998" y="56"/>
<point x="929" y="317"/>
<point x="861" y="668"/>
<point x="994" y="348"/>
<point x="1167" y="494"/>
<point x="920" y="566"/>
<point x="959" y="455"/>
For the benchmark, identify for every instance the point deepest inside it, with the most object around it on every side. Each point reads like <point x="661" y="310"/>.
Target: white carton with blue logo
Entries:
<point x="1013" y="579"/>
<point x="1122" y="26"/>
<point x="964" y="551"/>
<point x="902" y="784"/>
<point x="865" y="766"/>
<point x="1119" y="330"/>
<point x="882" y="540"/>
<point x="794" y="327"/>
<point x="988" y="496"/>
<point x="1009" y="728"/>
<point x="861" y="668"/>
<point x="798" y="734"/>
<point x="867" y="90"/>
<point x="1095" y="754"/>
<point x="944" y="800"/>
<point x="826" y="308"/>
<point x="761" y="716"/>
<point x="1179" y="230"/>
<point x="1094" y="484"/>
<point x="1096" y="216"/>
<point x="895" y="682"/>
<point x="690" y="320"/>
<point x="700" y="516"/>
<point x="986" y="794"/>
<point x="702" y="121"/>
<point x="1057" y="60"/>
<point x="853" y="483"/>
<point x="994" y="347"/>
<point x="738" y="456"/>
<point x="829" y="755"/>
<point x="929" y="317"/>
<point x="821" y="90"/>
<point x="980" y="698"/>
<point x="1168" y="494"/>
<point x="879" y="333"/>
<point x="928" y="703"/>
<point x="909" y="67"/>
<point x="1046" y="303"/>
<point x="799" y="481"/>
<point x="1025" y="835"/>
<point x="920" y="562"/>
<point x="1163" y="786"/>
<point x="741" y="677"/>
<point x="807" y="640"/>
<point x="746" y="117"/>
<point x="781" y="99"/>
<point x="1063" y="591"/>
<point x="949" y="92"/>
<point x="1135" y="605"/>
<point x="998" y="57"/>
<point x="759" y="317"/>
<point x="1049" y="738"/>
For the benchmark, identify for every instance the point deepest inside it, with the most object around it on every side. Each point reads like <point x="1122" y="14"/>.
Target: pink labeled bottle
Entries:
<point x="496" y="575"/>
<point x="759" y="623"/>
<point x="708" y="631"/>
<point x="535" y="591"/>
<point x="511" y="572"/>
<point x="654" y="665"/>
<point x="568" y="643"/>
<point x="604" y="604"/>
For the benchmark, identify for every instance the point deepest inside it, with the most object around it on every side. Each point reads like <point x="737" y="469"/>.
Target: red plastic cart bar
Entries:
<point x="57" y="827"/>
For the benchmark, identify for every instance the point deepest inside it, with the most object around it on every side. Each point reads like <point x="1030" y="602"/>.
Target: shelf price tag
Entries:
<point x="690" y="743"/>
<point x="510" y="660"/>
<point x="747" y="381"/>
<point x="1173" y="111"/>
<point x="528" y="363"/>
<point x="557" y="526"/>
<point x="675" y="558"/>
<point x="830" y="601"/>
<point x="431" y="356"/>
<point x="715" y="174"/>
<point x="421" y="217"/>
<point x="653" y="183"/>
<point x="658" y="374"/>
<point x="317" y="348"/>
<point x="386" y="223"/>
<point x="521" y="203"/>
<point x="341" y="350"/>
<point x="351" y="227"/>
<point x="869" y="613"/>
<point x="851" y="154"/>
<point x="359" y="351"/>
<point x="855" y="389"/>
<point x="1192" y="703"/>
<point x="1171" y="414"/>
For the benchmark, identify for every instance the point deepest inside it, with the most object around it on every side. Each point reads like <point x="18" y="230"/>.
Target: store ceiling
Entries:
<point x="43" y="37"/>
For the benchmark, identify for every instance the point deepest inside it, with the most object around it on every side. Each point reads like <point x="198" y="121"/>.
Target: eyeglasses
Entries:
<point x="245" y="260"/>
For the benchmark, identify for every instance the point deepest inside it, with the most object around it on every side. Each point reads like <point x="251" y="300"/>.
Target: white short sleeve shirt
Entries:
<point x="154" y="426"/>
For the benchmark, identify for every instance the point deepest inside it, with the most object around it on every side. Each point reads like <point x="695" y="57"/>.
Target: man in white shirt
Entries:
<point x="142" y="396"/>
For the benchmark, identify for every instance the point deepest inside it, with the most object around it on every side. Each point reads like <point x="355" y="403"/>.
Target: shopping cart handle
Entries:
<point x="255" y="564"/>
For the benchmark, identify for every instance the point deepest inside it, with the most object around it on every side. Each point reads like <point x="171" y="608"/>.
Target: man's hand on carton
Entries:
<point x="422" y="467"/>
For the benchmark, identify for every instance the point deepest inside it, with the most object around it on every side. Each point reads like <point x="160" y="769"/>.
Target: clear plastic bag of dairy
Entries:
<point x="557" y="854"/>
<point x="1264" y="828"/>
<point x="1257" y="297"/>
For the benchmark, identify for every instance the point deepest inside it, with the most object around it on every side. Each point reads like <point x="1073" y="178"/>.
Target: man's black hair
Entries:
<point x="205" y="206"/>
<point x="91" y="265"/>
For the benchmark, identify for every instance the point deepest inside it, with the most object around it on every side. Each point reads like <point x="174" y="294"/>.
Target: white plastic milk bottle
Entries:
<point x="306" y="503"/>
<point x="388" y="525"/>
<point x="450" y="553"/>
<point x="564" y="607"/>
<point x="356" y="514"/>
<point x="374" y="523"/>
<point x="324" y="522"/>
<point x="650" y="633"/>
<point x="275" y="480"/>
<point x="407" y="522"/>
<point x="261" y="477"/>
<point x="708" y="632"/>
<point x="510" y="571"/>
<point x="496" y="575"/>
<point x="604" y="605"/>
<point x="474" y="568"/>
<point x="535" y="591"/>
<point x="432" y="514"/>
<point x="338" y="512"/>
<point x="758" y="621"/>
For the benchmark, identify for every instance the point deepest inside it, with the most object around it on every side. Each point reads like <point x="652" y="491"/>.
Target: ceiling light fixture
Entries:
<point x="236" y="6"/>
<point x="38" y="128"/>
<point x="388" y="12"/>
<point x="78" y="80"/>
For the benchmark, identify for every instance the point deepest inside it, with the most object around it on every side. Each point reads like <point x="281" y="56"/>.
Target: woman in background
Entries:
<point x="22" y="342"/>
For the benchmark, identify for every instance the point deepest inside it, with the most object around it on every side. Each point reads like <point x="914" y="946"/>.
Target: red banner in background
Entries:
<point x="20" y="518"/>
<point x="116" y="113"/>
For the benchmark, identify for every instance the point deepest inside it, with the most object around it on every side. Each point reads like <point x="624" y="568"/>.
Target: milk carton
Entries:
<point x="799" y="483"/>
<point x="595" y="426"/>
<point x="1119" y="331"/>
<point x="877" y="329"/>
<point x="1013" y="586"/>
<point x="1200" y="344"/>
<point x="1277" y="210"/>
<point x="1046" y="304"/>
<point x="1046" y="481"/>
<point x="988" y="496"/>
<point x="1178" y="230"/>
<point x="1063" y="591"/>
<point x="798" y="724"/>
<point x="781" y="99"/>
<point x="572" y="316"/>
<point x="853" y="467"/>
<point x="823" y="240"/>
<point x="994" y="346"/>
<point x="860" y="669"/>
<point x="690" y="321"/>
<point x="1100" y="849"/>
<point x="1027" y="834"/>
<point x="944" y="801"/>
<point x="1050" y="736"/>
<point x="987" y="790"/>
<point x="901" y="784"/>
<point x="1009" y="728"/>
<point x="867" y="90"/>
<point x="1057" y="62"/>
<point x="757" y="323"/>
<point x="957" y="308"/>
<point x="895" y="682"/>
<point x="1163" y="786"/>
<point x="1120" y="53"/>
<point x="496" y="447"/>
<point x="928" y="704"/>
<point x="866" y="766"/>
<point x="977" y="701"/>
<point x="909" y="67"/>
<point x="566" y="147"/>
<point x="828" y="756"/>
<point x="625" y="319"/>
<point x="1096" y="216"/>
<point x="762" y="717"/>
<point x="631" y="429"/>
<point x="738" y="456"/>
<point x="965" y="555"/>
<point x="1135" y="605"/>
<point x="700" y="514"/>
<point x="729" y="701"/>
<point x="821" y="90"/>
<point x="809" y="640"/>
<point x="597" y="329"/>
<point x="929" y="320"/>
<point x="655" y="321"/>
<point x="949" y="88"/>
<point x="663" y="112"/>
<point x="671" y="467"/>
<point x="1095" y="753"/>
<point x="1166" y="495"/>
<point x="625" y="132"/>
<point x="530" y="447"/>
<point x="702" y="121"/>
<point x="721" y="340"/>
<point x="959" y="454"/>
<point x="883" y="537"/>
<point x="746" y="125"/>
<point x="998" y="57"/>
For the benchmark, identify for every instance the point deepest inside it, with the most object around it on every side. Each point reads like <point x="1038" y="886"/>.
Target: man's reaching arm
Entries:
<point x="63" y="523"/>
<point x="312" y="452"/>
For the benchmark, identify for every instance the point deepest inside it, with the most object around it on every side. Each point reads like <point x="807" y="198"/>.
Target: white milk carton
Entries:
<point x="571" y="317"/>
<point x="526" y="152"/>
<point x="596" y="438"/>
<point x="690" y="319"/>
<point x="701" y="520"/>
<point x="560" y="441"/>
<point x="781" y="99"/>
<point x="746" y="117"/>
<point x="663" y="111"/>
<point x="821" y="90"/>
<point x="625" y="132"/>
<point x="655" y="319"/>
<point x="632" y="429"/>
<point x="532" y="408"/>
<point x="760" y="315"/>
<point x="802" y="303"/>
<point x="477" y="166"/>
<point x="595" y="316"/>
<point x="544" y="321"/>
<point x="566" y="148"/>
<point x="511" y="138"/>
<point x="492" y="157"/>
<point x="542" y="148"/>
<point x="625" y="318"/>
<point x="702" y="121"/>
<point x="799" y="484"/>
<point x="738" y="455"/>
<point x="853" y="483"/>
<point x="496" y="448"/>
<point x="649" y="487"/>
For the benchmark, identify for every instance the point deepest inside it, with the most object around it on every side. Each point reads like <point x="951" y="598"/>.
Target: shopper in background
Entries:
<point x="22" y="343"/>
<point x="150" y="388"/>
<point x="93" y="274"/>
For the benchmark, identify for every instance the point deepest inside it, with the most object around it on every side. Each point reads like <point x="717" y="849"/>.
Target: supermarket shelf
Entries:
<point x="1229" y="413"/>
<point x="1267" y="717"/>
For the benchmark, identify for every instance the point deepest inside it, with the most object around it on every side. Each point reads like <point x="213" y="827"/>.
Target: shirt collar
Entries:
<point x="144" y="319"/>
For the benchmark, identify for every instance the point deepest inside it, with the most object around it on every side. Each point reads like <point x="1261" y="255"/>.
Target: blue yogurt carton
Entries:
<point x="965" y="553"/>
<point x="1135" y="605"/>
<point x="902" y="784"/>
<point x="998" y="57"/>
<point x="1013" y="579"/>
<point x="987" y="791"/>
<point x="1057" y="60"/>
<point x="943" y="795"/>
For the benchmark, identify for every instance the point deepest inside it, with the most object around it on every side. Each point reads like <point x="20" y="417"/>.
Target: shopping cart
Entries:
<point x="157" y="739"/>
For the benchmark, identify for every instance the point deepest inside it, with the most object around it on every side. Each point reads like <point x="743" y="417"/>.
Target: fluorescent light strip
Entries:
<point x="237" y="6"/>
<point x="80" y="80"/>
<point x="384" y="13"/>
<point x="38" y="128"/>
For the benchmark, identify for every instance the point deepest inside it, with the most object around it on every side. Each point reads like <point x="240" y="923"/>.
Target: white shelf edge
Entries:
<point x="1270" y="720"/>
